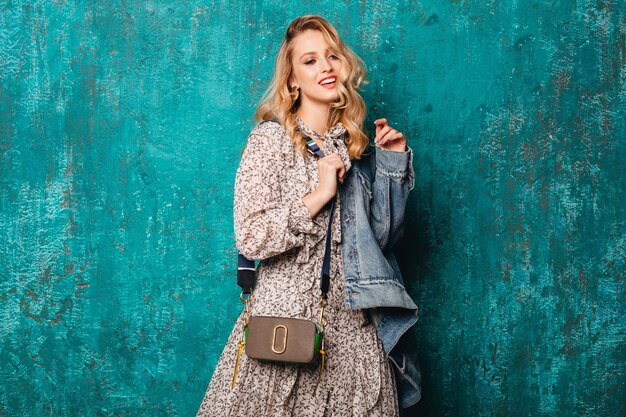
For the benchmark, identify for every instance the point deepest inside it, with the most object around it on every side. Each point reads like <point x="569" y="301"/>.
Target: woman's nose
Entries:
<point x="326" y="67"/>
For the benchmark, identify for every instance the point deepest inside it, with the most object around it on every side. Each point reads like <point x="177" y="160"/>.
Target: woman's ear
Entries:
<point x="292" y="83"/>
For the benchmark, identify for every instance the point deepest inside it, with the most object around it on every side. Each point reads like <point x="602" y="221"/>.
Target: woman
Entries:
<point x="281" y="192"/>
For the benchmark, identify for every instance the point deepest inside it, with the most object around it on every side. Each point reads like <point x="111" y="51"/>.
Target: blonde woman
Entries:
<point x="280" y="216"/>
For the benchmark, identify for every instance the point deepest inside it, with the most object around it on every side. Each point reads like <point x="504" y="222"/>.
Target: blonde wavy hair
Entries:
<point x="280" y="102"/>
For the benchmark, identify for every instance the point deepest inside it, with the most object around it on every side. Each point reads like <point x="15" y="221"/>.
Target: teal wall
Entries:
<point x="121" y="126"/>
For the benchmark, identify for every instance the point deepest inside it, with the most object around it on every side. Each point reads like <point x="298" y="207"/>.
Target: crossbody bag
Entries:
<point x="284" y="339"/>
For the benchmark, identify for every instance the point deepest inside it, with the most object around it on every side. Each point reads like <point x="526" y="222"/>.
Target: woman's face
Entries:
<point x="315" y="68"/>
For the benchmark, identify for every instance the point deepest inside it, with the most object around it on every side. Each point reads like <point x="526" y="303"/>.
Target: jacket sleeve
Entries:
<point x="265" y="223"/>
<point x="393" y="180"/>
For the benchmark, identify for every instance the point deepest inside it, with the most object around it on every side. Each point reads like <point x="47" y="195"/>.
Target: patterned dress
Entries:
<point x="272" y="223"/>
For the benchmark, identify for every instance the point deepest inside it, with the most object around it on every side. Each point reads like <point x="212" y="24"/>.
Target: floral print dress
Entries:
<point x="272" y="224"/>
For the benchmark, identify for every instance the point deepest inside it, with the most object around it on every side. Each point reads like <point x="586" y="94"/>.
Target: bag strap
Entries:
<point x="246" y="271"/>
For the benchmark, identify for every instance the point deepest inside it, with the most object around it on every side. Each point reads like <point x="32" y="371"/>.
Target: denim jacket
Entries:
<point x="374" y="195"/>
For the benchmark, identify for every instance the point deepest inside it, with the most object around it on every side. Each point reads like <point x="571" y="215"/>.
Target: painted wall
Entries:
<point x="121" y="126"/>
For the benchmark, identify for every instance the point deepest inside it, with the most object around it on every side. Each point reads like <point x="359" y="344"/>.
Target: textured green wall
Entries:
<point x="121" y="126"/>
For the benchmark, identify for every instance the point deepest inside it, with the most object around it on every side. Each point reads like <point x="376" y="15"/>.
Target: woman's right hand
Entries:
<point x="330" y="170"/>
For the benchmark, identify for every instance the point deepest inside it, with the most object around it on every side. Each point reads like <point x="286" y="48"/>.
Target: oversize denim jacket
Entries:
<point x="373" y="200"/>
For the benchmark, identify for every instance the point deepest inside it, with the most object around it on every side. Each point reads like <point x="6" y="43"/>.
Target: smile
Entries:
<point x="329" y="82"/>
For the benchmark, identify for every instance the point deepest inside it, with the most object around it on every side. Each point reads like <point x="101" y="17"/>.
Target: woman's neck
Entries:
<point x="315" y="117"/>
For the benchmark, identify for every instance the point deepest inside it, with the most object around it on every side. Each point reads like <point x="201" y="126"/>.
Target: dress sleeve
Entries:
<point x="266" y="224"/>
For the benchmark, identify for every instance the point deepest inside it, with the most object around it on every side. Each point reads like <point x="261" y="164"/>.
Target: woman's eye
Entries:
<point x="309" y="62"/>
<point x="334" y="57"/>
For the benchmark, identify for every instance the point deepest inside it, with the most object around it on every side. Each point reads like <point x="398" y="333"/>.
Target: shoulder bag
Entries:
<point x="284" y="339"/>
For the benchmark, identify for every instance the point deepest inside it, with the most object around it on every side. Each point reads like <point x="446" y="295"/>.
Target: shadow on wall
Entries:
<point x="416" y="254"/>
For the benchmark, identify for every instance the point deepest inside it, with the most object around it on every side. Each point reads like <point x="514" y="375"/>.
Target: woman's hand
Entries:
<point x="389" y="138"/>
<point x="330" y="171"/>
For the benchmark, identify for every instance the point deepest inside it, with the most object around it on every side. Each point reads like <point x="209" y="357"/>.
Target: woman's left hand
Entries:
<point x="389" y="138"/>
